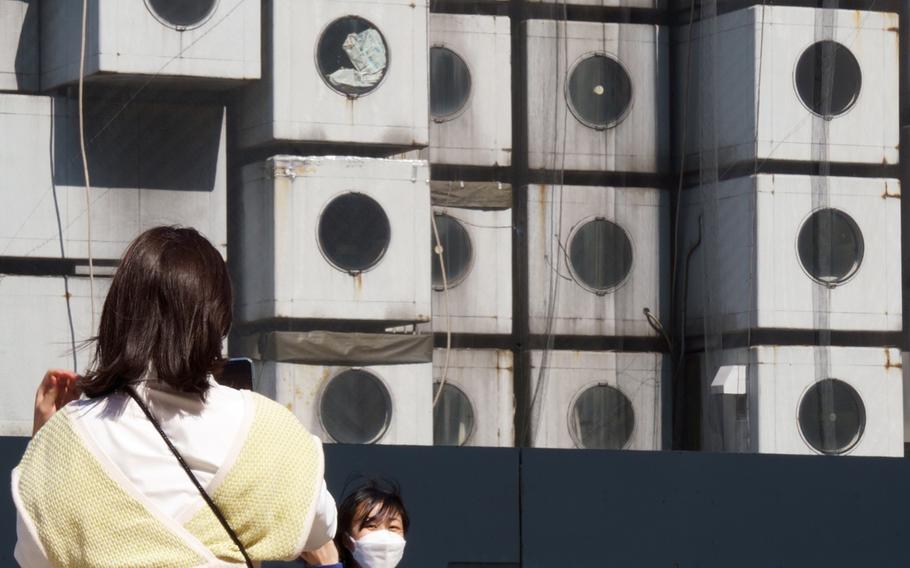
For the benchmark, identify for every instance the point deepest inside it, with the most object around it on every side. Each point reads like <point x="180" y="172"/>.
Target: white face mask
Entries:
<point x="378" y="549"/>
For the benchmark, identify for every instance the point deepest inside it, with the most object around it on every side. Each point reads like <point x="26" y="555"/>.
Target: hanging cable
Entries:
<point x="440" y="252"/>
<point x="88" y="200"/>
<point x="555" y="218"/>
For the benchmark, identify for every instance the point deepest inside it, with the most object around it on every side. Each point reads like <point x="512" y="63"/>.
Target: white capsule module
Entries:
<point x="378" y="404"/>
<point x="470" y="90"/>
<point x="340" y="72"/>
<point x="784" y="83"/>
<point x="597" y="400"/>
<point x="334" y="238"/>
<point x="150" y="164"/>
<point x="476" y="294"/>
<point x="477" y="405"/>
<point x="647" y="4"/>
<point x="19" y="47"/>
<point x="597" y="258"/>
<point x="803" y="400"/>
<point x="597" y="95"/>
<point x="794" y="252"/>
<point x="211" y="41"/>
<point x="45" y="322"/>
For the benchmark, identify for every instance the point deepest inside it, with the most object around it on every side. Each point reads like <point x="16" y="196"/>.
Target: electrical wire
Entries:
<point x="88" y="183"/>
<point x="440" y="252"/>
<point x="555" y="218"/>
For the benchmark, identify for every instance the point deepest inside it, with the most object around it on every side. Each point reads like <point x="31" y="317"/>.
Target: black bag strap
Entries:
<point x="189" y="473"/>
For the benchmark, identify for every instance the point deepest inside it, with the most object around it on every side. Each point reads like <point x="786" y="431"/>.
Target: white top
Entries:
<point x="203" y="433"/>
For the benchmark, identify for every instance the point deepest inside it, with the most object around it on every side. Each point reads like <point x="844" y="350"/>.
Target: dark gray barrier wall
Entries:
<point x="627" y="509"/>
<point x="687" y="510"/>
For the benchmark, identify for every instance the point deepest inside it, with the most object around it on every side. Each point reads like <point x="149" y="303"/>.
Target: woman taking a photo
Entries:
<point x="157" y="464"/>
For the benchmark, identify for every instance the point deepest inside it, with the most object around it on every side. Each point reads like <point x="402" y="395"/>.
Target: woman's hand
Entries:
<point x="57" y="388"/>
<point x="323" y="556"/>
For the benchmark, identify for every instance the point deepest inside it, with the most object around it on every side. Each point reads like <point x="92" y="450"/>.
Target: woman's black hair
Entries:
<point x="354" y="511"/>
<point x="168" y="309"/>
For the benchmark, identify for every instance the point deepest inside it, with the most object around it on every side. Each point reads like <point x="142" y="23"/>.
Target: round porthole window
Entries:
<point x="354" y="232"/>
<point x="457" y="251"/>
<point x="355" y="407"/>
<point x="600" y="255"/>
<point x="830" y="246"/>
<point x="450" y="84"/>
<point x="832" y="416"/>
<point x="182" y="14"/>
<point x="352" y="56"/>
<point x="453" y="416"/>
<point x="599" y="91"/>
<point x="601" y="418"/>
<point x="828" y="79"/>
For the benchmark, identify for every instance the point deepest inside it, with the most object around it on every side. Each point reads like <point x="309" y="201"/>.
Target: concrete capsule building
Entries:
<point x="804" y="400"/>
<point x="189" y="43"/>
<point x="470" y="90"/>
<point x="794" y="252"/>
<point x="477" y="405"/>
<point x="597" y="259"/>
<point x="759" y="89"/>
<point x="597" y="400"/>
<point x="599" y="94"/>
<point x="335" y="238"/>
<point x="340" y="72"/>
<point x="19" y="45"/>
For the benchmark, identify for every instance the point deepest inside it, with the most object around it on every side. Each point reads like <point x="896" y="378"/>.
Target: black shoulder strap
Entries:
<point x="189" y="473"/>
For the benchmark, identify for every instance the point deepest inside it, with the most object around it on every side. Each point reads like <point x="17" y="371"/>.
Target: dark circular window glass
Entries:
<point x="456" y="251"/>
<point x="450" y="83"/>
<point x="599" y="91"/>
<point x="182" y="13"/>
<point x="828" y="78"/>
<point x="352" y="56"/>
<point x="832" y="416"/>
<point x="602" y="418"/>
<point x="355" y="407"/>
<point x="354" y="232"/>
<point x="600" y="255"/>
<point x="830" y="246"/>
<point x="453" y="416"/>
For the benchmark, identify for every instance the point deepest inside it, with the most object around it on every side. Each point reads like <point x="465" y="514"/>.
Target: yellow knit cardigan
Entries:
<point x="87" y="514"/>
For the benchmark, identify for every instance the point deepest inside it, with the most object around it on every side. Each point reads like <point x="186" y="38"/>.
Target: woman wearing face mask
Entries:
<point x="372" y="524"/>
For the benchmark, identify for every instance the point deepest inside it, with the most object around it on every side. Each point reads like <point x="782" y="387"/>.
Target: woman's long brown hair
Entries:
<point x="168" y="310"/>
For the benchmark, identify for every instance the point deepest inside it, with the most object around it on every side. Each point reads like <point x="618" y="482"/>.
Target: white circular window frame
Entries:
<point x="385" y="250"/>
<point x="857" y="439"/>
<point x="389" y="416"/>
<point x="325" y="79"/>
<point x="568" y="99"/>
<point x="470" y="265"/>
<point x="463" y="391"/>
<point x="168" y="24"/>
<point x="856" y="99"/>
<point x="570" y="423"/>
<point x="567" y="254"/>
<point x="857" y="265"/>
<point x="468" y="101"/>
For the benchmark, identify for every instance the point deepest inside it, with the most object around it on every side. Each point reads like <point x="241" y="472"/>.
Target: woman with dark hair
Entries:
<point x="372" y="524"/>
<point x="156" y="464"/>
